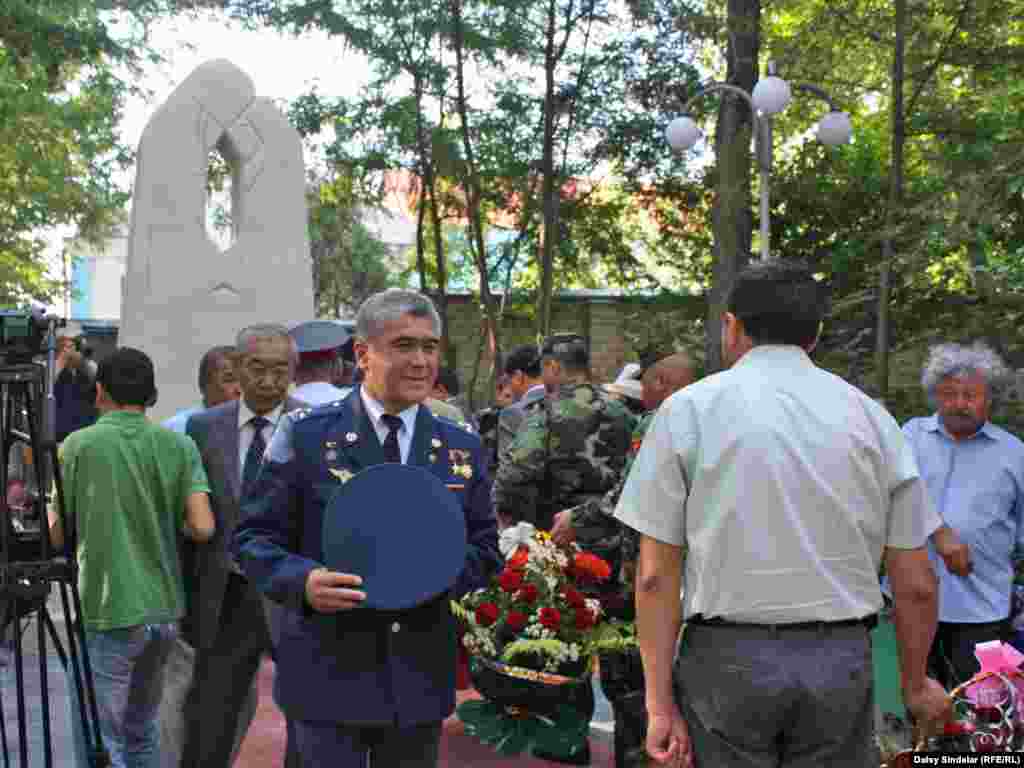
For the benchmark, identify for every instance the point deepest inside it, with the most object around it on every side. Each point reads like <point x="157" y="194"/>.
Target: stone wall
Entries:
<point x="617" y="326"/>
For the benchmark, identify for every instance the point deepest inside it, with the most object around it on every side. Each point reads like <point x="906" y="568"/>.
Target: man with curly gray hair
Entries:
<point x="975" y="475"/>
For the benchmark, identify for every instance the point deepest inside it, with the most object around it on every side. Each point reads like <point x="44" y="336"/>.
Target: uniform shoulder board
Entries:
<point x="300" y="413"/>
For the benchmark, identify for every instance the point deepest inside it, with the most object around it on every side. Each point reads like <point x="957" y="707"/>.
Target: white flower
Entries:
<point x="512" y="538"/>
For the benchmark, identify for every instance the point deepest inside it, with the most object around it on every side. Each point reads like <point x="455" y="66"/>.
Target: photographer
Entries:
<point x="75" y="386"/>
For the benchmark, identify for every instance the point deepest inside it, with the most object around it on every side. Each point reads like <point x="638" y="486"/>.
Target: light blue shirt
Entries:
<point x="977" y="486"/>
<point x="179" y="421"/>
<point x="375" y="411"/>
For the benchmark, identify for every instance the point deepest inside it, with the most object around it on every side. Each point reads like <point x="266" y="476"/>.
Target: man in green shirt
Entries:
<point x="130" y="489"/>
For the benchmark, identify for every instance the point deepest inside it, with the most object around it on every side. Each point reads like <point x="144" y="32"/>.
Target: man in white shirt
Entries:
<point x="766" y="496"/>
<point x="319" y="343"/>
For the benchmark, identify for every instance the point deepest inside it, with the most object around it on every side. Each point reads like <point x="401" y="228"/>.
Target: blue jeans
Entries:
<point x="128" y="669"/>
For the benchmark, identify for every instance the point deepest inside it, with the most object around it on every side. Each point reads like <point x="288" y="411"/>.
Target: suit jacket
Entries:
<point x="207" y="566"/>
<point x="359" y="667"/>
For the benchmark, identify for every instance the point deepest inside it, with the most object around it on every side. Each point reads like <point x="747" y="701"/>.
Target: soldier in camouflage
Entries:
<point x="571" y="449"/>
<point x="593" y="526"/>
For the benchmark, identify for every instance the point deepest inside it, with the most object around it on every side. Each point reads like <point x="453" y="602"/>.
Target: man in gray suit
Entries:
<point x="225" y="622"/>
<point x="523" y="369"/>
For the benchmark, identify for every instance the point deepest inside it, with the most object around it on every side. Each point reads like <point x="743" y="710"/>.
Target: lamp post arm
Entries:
<point x="714" y="88"/>
<point x="816" y="91"/>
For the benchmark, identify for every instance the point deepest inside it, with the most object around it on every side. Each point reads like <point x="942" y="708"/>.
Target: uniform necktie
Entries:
<point x="254" y="456"/>
<point x="392" y="453"/>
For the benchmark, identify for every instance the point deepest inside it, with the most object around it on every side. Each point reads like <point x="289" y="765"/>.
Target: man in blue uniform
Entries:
<point x="365" y="682"/>
<point x="319" y="343"/>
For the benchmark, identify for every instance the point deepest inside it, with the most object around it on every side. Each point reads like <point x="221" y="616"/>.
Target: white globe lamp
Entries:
<point x="771" y="95"/>
<point x="834" y="129"/>
<point x="682" y="133"/>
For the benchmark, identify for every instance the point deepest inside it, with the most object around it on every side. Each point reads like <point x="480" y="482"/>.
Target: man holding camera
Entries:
<point x="75" y="385"/>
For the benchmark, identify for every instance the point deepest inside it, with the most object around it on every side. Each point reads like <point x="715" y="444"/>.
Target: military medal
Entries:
<point x="351" y="437"/>
<point x="344" y="475"/>
<point x="435" y="443"/>
<point x="331" y="455"/>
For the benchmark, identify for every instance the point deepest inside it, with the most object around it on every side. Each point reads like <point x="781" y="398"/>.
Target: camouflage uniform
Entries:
<point x="572" y="449"/>
<point x="622" y="677"/>
<point x="487" y="422"/>
<point x="596" y="528"/>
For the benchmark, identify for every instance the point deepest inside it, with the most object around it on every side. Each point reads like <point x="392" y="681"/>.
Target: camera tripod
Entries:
<point x="30" y="566"/>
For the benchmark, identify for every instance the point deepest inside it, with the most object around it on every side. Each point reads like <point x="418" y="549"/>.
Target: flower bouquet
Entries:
<point x="988" y="710"/>
<point x="531" y="637"/>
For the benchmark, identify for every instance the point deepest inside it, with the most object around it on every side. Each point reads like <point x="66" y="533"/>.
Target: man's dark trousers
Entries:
<point x="951" y="660"/>
<point x="793" y="698"/>
<point x="340" y="746"/>
<point x="225" y="672"/>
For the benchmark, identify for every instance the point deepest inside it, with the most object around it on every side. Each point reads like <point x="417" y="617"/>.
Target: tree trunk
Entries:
<point x="429" y="180"/>
<point x="731" y="216"/>
<point x="473" y="195"/>
<point x="549" y="235"/>
<point x="895" y="199"/>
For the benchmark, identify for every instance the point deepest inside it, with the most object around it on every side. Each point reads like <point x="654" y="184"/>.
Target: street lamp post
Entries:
<point x="770" y="96"/>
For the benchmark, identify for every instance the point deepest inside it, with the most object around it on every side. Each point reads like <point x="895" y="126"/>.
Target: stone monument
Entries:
<point x="182" y="294"/>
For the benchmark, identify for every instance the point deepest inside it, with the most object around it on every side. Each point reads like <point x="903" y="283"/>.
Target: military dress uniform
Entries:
<point x="363" y="676"/>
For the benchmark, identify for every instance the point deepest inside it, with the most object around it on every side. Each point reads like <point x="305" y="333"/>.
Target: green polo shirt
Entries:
<point x="126" y="482"/>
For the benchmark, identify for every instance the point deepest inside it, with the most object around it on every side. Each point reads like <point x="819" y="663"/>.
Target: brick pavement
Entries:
<point x="264" y="743"/>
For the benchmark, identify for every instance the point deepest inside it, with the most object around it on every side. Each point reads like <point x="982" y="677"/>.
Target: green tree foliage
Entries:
<point x="60" y="100"/>
<point x="66" y="69"/>
<point x="349" y="262"/>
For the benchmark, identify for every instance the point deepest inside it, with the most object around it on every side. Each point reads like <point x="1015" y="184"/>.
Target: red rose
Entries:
<point x="550" y="618"/>
<point x="486" y="614"/>
<point x="591" y="567"/>
<point x="528" y="594"/>
<point x="573" y="598"/>
<point x="510" y="581"/>
<point x="584" y="618"/>
<point x="519" y="558"/>
<point x="516" y="620"/>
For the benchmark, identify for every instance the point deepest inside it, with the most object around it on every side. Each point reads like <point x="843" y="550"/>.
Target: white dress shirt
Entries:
<point x="320" y="393"/>
<point x="375" y="410"/>
<point x="246" y="430"/>
<point x="785" y="484"/>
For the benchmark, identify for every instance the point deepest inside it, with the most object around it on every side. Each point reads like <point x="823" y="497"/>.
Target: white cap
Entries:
<point x="626" y="383"/>
<point x="70" y="331"/>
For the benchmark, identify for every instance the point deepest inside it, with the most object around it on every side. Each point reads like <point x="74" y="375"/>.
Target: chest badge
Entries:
<point x="343" y="475"/>
<point x="351" y="437"/>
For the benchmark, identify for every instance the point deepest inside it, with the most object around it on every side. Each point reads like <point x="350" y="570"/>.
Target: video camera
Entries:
<point x="23" y="334"/>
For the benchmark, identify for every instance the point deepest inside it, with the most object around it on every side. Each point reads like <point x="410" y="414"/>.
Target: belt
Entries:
<point x="868" y="622"/>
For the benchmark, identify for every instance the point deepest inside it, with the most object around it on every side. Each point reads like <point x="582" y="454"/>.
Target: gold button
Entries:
<point x="396" y="627"/>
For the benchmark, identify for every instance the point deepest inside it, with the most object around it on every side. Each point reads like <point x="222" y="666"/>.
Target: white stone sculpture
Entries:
<point x="182" y="295"/>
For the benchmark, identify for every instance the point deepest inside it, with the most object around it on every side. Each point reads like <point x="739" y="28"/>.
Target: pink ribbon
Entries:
<point x="997" y="656"/>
